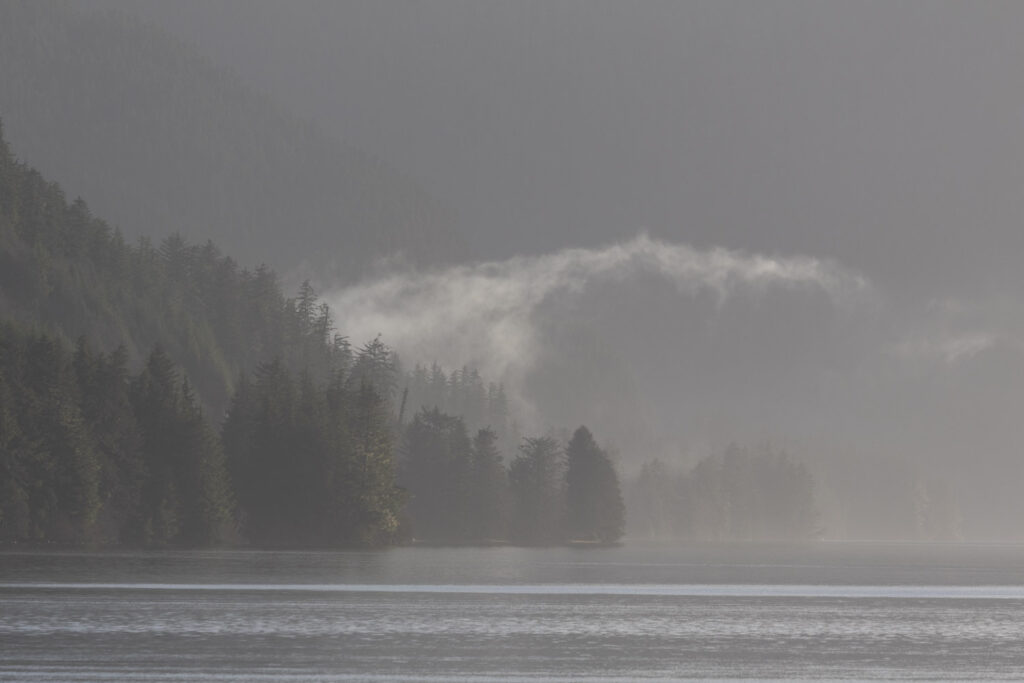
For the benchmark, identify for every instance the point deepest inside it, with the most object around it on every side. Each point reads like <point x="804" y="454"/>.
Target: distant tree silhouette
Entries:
<point x="594" y="507"/>
<point x="535" y="483"/>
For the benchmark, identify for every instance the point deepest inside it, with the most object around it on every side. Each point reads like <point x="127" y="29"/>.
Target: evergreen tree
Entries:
<point x="435" y="469"/>
<point x="488" y="505"/>
<point x="186" y="495"/>
<point x="259" y="437"/>
<point x="535" y="486"/>
<point x="375" y="366"/>
<point x="107" y="408"/>
<point x="312" y="465"/>
<point x="62" y="468"/>
<point x="207" y="517"/>
<point x="15" y="516"/>
<point x="154" y="397"/>
<point x="594" y="508"/>
<point x="373" y="499"/>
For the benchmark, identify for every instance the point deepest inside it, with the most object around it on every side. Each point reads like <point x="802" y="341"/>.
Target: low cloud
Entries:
<point x="484" y="313"/>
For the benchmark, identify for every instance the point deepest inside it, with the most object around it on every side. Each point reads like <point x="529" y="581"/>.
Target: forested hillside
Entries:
<point x="109" y="443"/>
<point x="66" y="272"/>
<point x="109" y="353"/>
<point x="91" y="454"/>
<point x="161" y="141"/>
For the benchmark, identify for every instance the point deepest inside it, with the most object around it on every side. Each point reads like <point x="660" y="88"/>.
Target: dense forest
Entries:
<point x="164" y="396"/>
<point x="464" y="392"/>
<point x="69" y="274"/>
<point x="92" y="453"/>
<point x="462" y="491"/>
<point x="200" y="154"/>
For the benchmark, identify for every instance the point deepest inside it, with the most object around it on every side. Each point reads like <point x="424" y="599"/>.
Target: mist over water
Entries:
<point x="857" y="166"/>
<point x="671" y="351"/>
<point x="491" y="315"/>
<point x="708" y="314"/>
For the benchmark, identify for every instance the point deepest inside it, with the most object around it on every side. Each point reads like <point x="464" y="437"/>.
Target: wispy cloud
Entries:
<point x="484" y="312"/>
<point x="948" y="349"/>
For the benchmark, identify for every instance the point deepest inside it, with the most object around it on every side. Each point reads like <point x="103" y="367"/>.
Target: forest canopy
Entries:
<point x="164" y="396"/>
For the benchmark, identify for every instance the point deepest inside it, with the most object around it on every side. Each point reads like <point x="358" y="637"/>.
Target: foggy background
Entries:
<point x="866" y="156"/>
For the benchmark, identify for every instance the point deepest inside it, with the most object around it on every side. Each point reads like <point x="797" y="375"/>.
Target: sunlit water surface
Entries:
<point x="823" y="611"/>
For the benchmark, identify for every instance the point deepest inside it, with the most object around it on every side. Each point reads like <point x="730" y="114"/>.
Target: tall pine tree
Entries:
<point x="594" y="507"/>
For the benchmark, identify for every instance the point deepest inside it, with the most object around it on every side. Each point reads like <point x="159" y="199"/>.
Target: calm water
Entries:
<point x="833" y="611"/>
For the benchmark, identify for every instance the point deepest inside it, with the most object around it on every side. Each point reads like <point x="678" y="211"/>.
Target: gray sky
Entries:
<point x="882" y="134"/>
<point x="883" y="138"/>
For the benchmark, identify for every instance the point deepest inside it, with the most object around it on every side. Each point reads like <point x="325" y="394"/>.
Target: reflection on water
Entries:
<point x="502" y="614"/>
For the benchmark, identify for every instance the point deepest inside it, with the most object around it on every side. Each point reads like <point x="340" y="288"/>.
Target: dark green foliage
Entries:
<point x="535" y="483"/>
<point x="488" y="495"/>
<point x="107" y="408"/>
<point x="369" y="500"/>
<point x="91" y="454"/>
<point x="312" y="464"/>
<point x="88" y="456"/>
<point x="258" y="434"/>
<point x="375" y="366"/>
<point x="50" y="468"/>
<point x="436" y="469"/>
<point x="594" y="508"/>
<point x="186" y="498"/>
<point x="458" y="487"/>
<point x="66" y="272"/>
<point x="461" y="492"/>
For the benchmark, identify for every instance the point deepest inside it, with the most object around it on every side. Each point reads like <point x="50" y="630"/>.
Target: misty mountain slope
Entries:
<point x="160" y="140"/>
<point x="65" y="272"/>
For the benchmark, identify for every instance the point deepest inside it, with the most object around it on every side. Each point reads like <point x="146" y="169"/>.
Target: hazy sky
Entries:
<point x="882" y="134"/>
<point x="882" y="139"/>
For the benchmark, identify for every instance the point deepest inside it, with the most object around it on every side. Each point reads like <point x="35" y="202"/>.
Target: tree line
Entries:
<point x="736" y="494"/>
<point x="92" y="453"/>
<point x="462" y="491"/>
<point x="67" y="273"/>
<point x="282" y="433"/>
<point x="117" y="446"/>
<point x="463" y="392"/>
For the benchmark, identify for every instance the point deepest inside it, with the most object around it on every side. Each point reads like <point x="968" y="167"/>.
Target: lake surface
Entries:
<point x="823" y="611"/>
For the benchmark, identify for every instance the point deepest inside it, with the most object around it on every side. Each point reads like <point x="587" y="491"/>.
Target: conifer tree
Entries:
<point x="535" y="478"/>
<point x="375" y="366"/>
<point x="435" y="470"/>
<point x="594" y="507"/>
<point x="186" y="495"/>
<point x="377" y="500"/>
<point x="489" y="491"/>
<point x="107" y="407"/>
